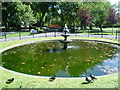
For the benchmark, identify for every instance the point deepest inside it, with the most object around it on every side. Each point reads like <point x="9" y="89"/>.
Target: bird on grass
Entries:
<point x="21" y="88"/>
<point x="88" y="80"/>
<point x="52" y="78"/>
<point x="92" y="77"/>
<point x="10" y="80"/>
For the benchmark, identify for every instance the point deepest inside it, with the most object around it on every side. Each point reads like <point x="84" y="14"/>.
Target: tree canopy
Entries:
<point x="60" y="13"/>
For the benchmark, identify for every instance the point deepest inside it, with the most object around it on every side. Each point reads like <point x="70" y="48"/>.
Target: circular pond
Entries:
<point x="48" y="58"/>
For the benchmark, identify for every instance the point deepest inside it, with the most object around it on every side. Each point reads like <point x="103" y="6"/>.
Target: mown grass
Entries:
<point x="109" y="81"/>
<point x="15" y="34"/>
<point x="96" y="31"/>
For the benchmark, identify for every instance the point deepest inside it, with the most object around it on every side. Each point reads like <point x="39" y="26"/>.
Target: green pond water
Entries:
<point x="48" y="58"/>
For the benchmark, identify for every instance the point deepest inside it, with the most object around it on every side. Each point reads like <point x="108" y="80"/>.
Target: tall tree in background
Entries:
<point x="5" y="15"/>
<point x="25" y="15"/>
<point x="7" y="11"/>
<point x="16" y="14"/>
<point x="112" y="18"/>
<point x="100" y="13"/>
<point x="68" y="13"/>
<point x="41" y="8"/>
<point x="52" y="16"/>
<point x="85" y="18"/>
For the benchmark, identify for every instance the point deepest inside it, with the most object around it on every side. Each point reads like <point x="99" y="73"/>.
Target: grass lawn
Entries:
<point x="96" y="31"/>
<point x="15" y="34"/>
<point x="109" y="81"/>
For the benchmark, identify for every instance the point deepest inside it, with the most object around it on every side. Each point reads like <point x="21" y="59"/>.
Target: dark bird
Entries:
<point x="10" y="80"/>
<point x="88" y="80"/>
<point x="21" y="88"/>
<point x="92" y="77"/>
<point x="52" y="78"/>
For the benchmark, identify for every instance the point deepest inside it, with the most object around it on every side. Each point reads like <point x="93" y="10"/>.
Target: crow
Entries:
<point x="10" y="80"/>
<point x="92" y="77"/>
<point x="21" y="88"/>
<point x="52" y="78"/>
<point x="88" y="80"/>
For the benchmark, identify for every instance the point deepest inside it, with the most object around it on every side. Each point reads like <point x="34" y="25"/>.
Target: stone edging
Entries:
<point x="10" y="47"/>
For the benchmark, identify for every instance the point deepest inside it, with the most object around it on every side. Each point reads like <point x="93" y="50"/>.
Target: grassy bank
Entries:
<point x="10" y="43"/>
<point x="109" y="81"/>
<point x="96" y="31"/>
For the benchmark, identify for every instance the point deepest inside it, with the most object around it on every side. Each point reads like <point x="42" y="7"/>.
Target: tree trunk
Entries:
<point x="101" y="28"/>
<point x="91" y="28"/>
<point x="18" y="27"/>
<point x="30" y="27"/>
<point x="6" y="26"/>
<point x="81" y="25"/>
<point x="41" y="20"/>
<point x="112" y="29"/>
<point x="84" y="27"/>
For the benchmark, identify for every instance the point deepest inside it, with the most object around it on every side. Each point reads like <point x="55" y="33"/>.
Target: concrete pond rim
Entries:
<point x="21" y="44"/>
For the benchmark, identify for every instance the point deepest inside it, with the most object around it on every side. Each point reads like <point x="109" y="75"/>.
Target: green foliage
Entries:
<point x="99" y="12"/>
<point x="40" y="30"/>
<point x="24" y="15"/>
<point x="45" y="13"/>
<point x="17" y="13"/>
<point x="40" y="9"/>
<point x="68" y="12"/>
<point x="117" y="24"/>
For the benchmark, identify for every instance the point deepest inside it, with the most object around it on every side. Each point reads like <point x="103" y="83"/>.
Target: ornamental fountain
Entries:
<point x="65" y="35"/>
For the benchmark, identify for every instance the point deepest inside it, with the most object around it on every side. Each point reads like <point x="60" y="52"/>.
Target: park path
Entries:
<point x="58" y="34"/>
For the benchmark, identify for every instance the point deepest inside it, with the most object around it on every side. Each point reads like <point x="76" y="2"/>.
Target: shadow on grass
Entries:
<point x="85" y="83"/>
<point x="50" y="80"/>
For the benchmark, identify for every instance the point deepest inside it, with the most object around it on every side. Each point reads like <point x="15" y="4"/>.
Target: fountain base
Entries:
<point x="65" y="41"/>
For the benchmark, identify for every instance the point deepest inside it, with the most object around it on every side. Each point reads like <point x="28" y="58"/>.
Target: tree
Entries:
<point x="25" y="15"/>
<point x="52" y="16"/>
<point x="99" y="13"/>
<point x="17" y="14"/>
<point x="6" y="12"/>
<point x="68" y="13"/>
<point x="112" y="18"/>
<point x="41" y="8"/>
<point x="85" y="18"/>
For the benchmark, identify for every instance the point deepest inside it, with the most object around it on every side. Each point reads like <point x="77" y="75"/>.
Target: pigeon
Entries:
<point x="88" y="80"/>
<point x="52" y="78"/>
<point x="92" y="77"/>
<point x="21" y="88"/>
<point x="10" y="80"/>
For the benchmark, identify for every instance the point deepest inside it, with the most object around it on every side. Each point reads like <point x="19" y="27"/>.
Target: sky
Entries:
<point x="114" y="1"/>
